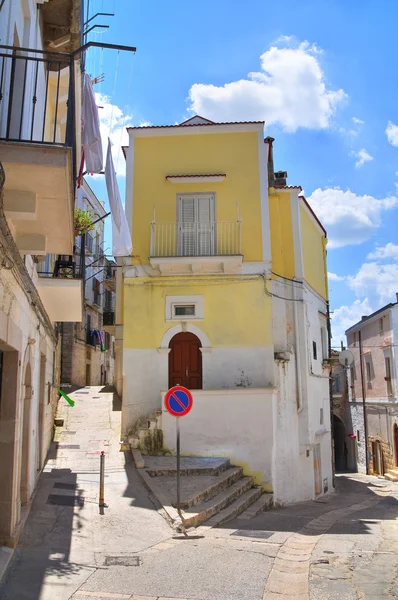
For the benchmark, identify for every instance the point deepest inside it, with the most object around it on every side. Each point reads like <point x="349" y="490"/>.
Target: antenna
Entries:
<point x="346" y="358"/>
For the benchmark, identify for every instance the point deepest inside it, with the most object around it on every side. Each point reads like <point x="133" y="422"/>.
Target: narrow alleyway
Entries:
<point x="341" y="547"/>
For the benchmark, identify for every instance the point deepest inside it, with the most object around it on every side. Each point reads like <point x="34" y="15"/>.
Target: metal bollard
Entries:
<point x="102" y="479"/>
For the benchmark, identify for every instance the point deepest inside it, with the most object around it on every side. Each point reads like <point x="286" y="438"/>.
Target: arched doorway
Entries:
<point x="340" y="444"/>
<point x="185" y="361"/>
<point x="396" y="443"/>
<point x="24" y="489"/>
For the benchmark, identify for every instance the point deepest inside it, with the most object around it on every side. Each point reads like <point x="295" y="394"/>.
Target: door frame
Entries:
<point x="170" y="355"/>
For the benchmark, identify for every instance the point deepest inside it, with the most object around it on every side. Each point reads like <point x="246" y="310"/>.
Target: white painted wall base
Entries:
<point x="232" y="423"/>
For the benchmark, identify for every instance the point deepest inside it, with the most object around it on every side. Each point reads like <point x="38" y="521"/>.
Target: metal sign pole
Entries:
<point x="102" y="480"/>
<point x="178" y="466"/>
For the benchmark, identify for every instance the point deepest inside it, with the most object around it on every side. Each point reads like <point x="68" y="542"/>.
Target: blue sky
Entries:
<point x="320" y="73"/>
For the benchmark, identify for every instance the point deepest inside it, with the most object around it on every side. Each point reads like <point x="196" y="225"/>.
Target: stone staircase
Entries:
<point x="392" y="474"/>
<point x="212" y="491"/>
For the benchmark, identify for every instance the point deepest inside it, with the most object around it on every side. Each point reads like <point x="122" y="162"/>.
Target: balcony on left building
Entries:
<point x="37" y="147"/>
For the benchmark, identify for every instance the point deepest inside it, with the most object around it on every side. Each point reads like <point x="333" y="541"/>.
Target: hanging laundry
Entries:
<point x="91" y="137"/>
<point x="121" y="238"/>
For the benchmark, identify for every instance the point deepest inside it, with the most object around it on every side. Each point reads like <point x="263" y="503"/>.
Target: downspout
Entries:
<point x="365" y="420"/>
<point x="297" y="352"/>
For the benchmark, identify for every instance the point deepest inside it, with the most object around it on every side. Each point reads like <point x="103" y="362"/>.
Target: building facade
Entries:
<point x="226" y="294"/>
<point x="88" y="346"/>
<point x="39" y="145"/>
<point x="373" y="377"/>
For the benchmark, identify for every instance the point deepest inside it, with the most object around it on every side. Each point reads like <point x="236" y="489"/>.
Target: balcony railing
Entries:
<point x="214" y="238"/>
<point x="36" y="96"/>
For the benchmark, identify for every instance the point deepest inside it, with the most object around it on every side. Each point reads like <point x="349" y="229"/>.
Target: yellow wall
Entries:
<point x="282" y="248"/>
<point x="314" y="253"/>
<point x="235" y="154"/>
<point x="235" y="313"/>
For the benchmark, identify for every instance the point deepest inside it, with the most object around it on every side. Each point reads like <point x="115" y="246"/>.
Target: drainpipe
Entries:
<point x="365" y="419"/>
<point x="297" y="351"/>
<point x="329" y="329"/>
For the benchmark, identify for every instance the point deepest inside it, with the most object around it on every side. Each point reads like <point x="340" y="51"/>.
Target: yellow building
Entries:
<point x="226" y="294"/>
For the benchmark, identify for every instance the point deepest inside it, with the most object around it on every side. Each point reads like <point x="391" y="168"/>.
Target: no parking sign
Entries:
<point x="178" y="401"/>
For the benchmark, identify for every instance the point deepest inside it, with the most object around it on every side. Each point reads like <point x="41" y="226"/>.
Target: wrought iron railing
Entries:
<point x="213" y="238"/>
<point x="36" y="96"/>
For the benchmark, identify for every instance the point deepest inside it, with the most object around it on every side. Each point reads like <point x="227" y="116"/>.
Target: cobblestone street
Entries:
<point x="343" y="546"/>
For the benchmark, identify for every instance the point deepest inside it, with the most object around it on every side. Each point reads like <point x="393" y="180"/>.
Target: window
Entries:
<point x="107" y="341"/>
<point x="354" y="338"/>
<point x="358" y="436"/>
<point x="337" y="383"/>
<point x="388" y="375"/>
<point x="325" y="353"/>
<point x="196" y="225"/>
<point x="183" y="311"/>
<point x="368" y="374"/>
<point x="184" y="308"/>
<point x="321" y="416"/>
<point x="314" y="351"/>
<point x="97" y="294"/>
<point x="381" y="325"/>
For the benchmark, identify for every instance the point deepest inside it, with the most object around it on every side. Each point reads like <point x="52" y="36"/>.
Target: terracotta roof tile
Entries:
<point x="199" y="125"/>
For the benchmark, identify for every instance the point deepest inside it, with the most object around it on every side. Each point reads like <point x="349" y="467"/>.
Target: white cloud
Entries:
<point x="362" y="157"/>
<point x="113" y="123"/>
<point x="358" y="121"/>
<point x="379" y="282"/>
<point x="289" y="90"/>
<point x="390" y="250"/>
<point x="334" y="277"/>
<point x="344" y="317"/>
<point x="392" y="133"/>
<point x="348" y="218"/>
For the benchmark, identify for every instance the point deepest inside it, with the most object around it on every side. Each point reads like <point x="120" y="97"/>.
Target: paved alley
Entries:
<point x="343" y="546"/>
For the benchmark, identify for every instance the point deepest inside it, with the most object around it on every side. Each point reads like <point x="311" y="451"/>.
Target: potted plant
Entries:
<point x="83" y="221"/>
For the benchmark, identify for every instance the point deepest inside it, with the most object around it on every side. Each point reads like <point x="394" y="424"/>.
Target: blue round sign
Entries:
<point x="178" y="401"/>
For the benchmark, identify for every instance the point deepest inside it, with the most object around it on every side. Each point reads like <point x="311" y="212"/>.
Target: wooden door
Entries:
<point x="185" y="361"/>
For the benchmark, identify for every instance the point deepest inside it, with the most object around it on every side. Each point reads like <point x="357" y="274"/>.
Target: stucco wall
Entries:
<point x="234" y="423"/>
<point x="235" y="154"/>
<point x="314" y="252"/>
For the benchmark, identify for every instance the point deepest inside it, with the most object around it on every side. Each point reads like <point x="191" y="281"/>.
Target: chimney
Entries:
<point x="364" y="317"/>
<point x="271" y="175"/>
<point x="280" y="178"/>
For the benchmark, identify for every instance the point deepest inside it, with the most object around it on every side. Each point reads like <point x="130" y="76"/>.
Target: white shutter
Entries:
<point x="205" y="225"/>
<point x="187" y="227"/>
<point x="196" y="226"/>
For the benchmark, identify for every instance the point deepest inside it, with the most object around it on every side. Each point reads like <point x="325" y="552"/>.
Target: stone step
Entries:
<point x="207" y="487"/>
<point x="393" y="471"/>
<point x="265" y="502"/>
<point x="236" y="508"/>
<point x="390" y="477"/>
<point x="167" y="465"/>
<point x="206" y="510"/>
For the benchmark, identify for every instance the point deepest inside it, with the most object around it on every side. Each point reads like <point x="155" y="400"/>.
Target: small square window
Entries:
<point x="184" y="311"/>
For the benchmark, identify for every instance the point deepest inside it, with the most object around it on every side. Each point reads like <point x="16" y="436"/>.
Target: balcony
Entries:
<point x="61" y="289"/>
<point x="109" y="280"/>
<point x="108" y="322"/>
<point x="196" y="248"/>
<point x="37" y="122"/>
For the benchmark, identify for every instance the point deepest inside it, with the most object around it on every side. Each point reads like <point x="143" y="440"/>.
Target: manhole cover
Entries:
<point x="65" y="500"/>
<point x="65" y="486"/>
<point x="122" y="561"/>
<point x="263" y="535"/>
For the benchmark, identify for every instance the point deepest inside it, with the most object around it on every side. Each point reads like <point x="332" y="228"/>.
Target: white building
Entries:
<point x="39" y="143"/>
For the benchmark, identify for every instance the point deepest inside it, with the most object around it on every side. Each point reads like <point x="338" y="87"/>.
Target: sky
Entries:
<point x="320" y="73"/>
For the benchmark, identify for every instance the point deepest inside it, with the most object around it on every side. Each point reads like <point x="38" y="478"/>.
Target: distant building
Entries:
<point x="373" y="342"/>
<point x="88" y="347"/>
<point x="345" y="450"/>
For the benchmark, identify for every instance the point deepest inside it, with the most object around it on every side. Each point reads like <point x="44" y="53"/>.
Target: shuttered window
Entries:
<point x="196" y="225"/>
